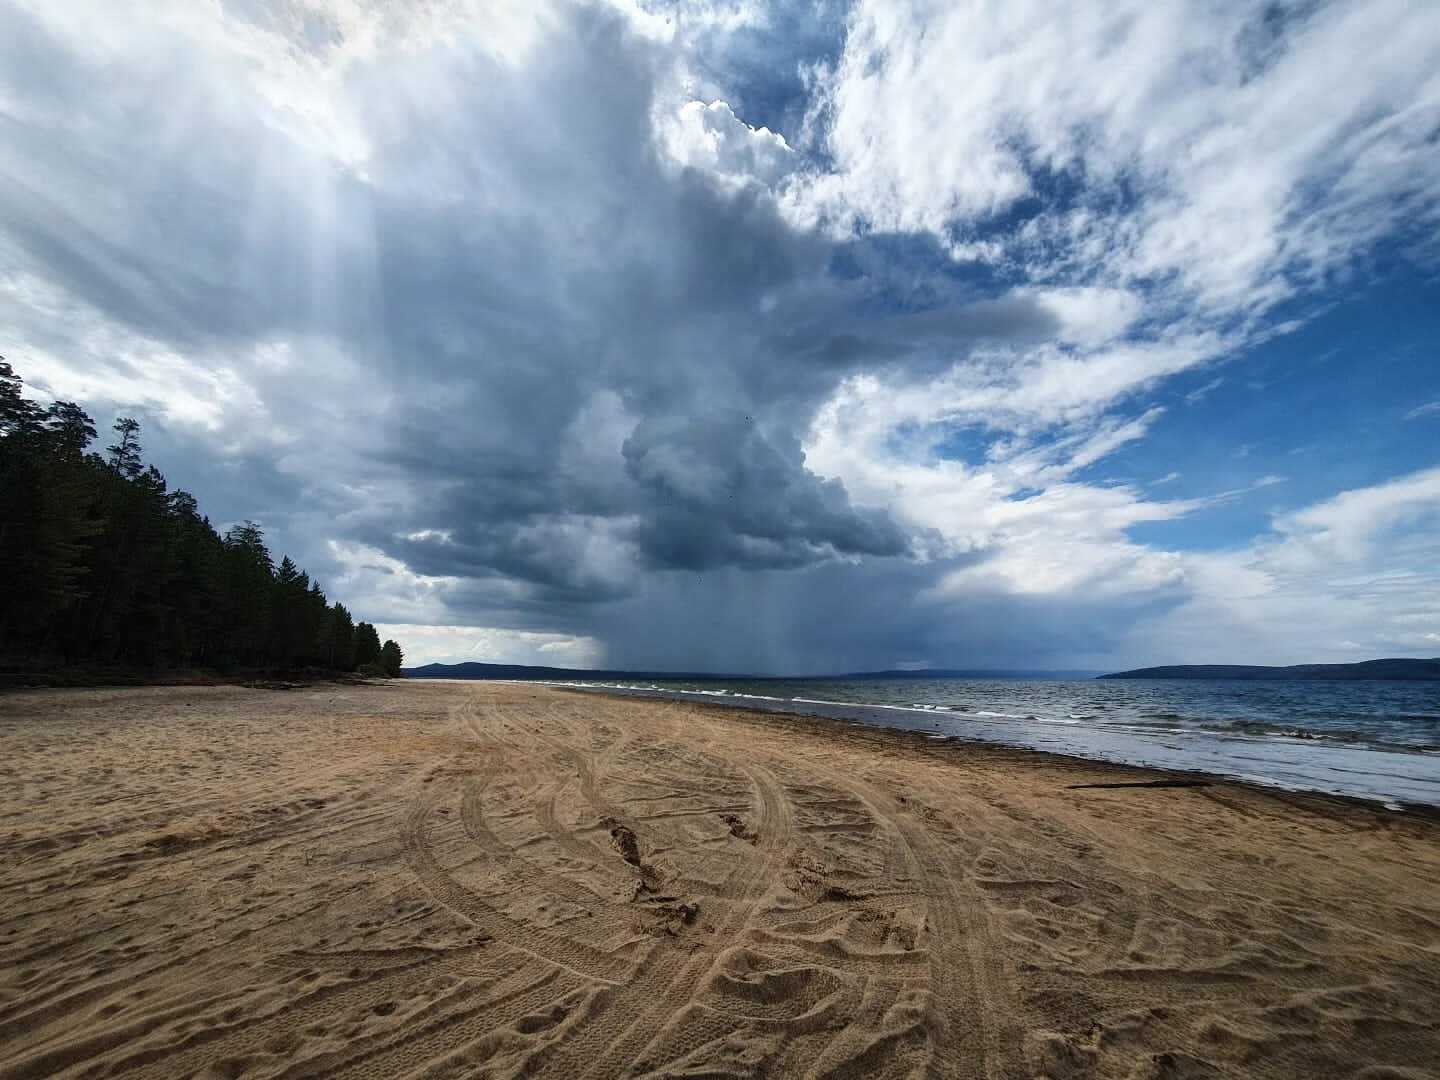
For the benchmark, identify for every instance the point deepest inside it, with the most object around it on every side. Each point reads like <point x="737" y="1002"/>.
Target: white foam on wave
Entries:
<point x="1272" y="760"/>
<point x="865" y="705"/>
<point x="1066" y="720"/>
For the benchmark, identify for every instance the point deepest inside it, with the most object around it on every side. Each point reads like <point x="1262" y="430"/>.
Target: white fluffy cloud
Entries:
<point x="1353" y="575"/>
<point x="1239" y="150"/>
<point x="713" y="138"/>
<point x="425" y="643"/>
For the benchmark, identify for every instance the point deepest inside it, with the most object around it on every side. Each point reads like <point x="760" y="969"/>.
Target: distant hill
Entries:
<point x="963" y="673"/>
<point x="1399" y="669"/>
<point x="476" y="670"/>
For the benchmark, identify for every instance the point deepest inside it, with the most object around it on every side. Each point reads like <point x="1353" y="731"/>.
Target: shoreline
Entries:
<point x="925" y="743"/>
<point x="1398" y="778"/>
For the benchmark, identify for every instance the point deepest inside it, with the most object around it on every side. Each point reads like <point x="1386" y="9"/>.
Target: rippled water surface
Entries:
<point x="1378" y="740"/>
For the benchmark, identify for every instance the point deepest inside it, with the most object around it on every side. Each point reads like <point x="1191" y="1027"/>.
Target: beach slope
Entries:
<point x="481" y="879"/>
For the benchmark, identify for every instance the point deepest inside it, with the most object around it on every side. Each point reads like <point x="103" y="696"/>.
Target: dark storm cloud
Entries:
<point x="725" y="494"/>
<point x="840" y="616"/>
<point x="618" y="274"/>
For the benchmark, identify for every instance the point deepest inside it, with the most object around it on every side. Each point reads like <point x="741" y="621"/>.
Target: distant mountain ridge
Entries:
<point x="962" y="673"/>
<point x="477" y="670"/>
<point x="473" y="669"/>
<point x="1399" y="669"/>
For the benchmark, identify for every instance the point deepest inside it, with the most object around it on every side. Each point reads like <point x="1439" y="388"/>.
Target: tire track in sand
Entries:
<point x="979" y="1034"/>
<point x="667" y="978"/>
<point x="472" y="815"/>
<point x="596" y="858"/>
<point x="572" y="955"/>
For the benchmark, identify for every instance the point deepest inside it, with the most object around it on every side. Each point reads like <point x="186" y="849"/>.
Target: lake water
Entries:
<point x="1374" y="740"/>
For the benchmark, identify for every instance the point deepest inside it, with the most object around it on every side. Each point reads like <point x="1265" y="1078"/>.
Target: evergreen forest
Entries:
<point x="101" y="564"/>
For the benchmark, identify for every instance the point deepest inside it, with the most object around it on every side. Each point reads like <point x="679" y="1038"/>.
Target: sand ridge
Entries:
<point x="450" y="879"/>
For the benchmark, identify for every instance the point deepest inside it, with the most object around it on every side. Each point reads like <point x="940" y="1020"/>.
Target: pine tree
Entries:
<point x="249" y="579"/>
<point x="70" y="427"/>
<point x="125" y="454"/>
<point x="342" y="639"/>
<point x="392" y="659"/>
<point x="367" y="646"/>
<point x="318" y="627"/>
<point x="18" y="414"/>
<point x="45" y="512"/>
<point x="289" y="632"/>
<point x="197" y="553"/>
<point x="45" y="524"/>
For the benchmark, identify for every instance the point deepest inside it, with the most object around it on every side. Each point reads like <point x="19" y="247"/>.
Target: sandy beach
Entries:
<point x="450" y="879"/>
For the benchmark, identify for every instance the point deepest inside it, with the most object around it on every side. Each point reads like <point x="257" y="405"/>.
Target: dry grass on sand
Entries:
<point x="431" y="879"/>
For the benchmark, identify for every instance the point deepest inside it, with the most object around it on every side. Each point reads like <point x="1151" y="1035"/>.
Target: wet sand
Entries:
<point x="467" y="879"/>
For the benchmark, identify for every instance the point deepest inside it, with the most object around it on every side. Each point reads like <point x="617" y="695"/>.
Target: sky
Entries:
<point x="788" y="337"/>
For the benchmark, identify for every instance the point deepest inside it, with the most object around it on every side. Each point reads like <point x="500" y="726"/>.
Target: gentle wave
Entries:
<point x="1308" y="713"/>
<point x="1391" y="765"/>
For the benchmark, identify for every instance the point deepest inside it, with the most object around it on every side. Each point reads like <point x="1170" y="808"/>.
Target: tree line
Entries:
<point x="103" y="564"/>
